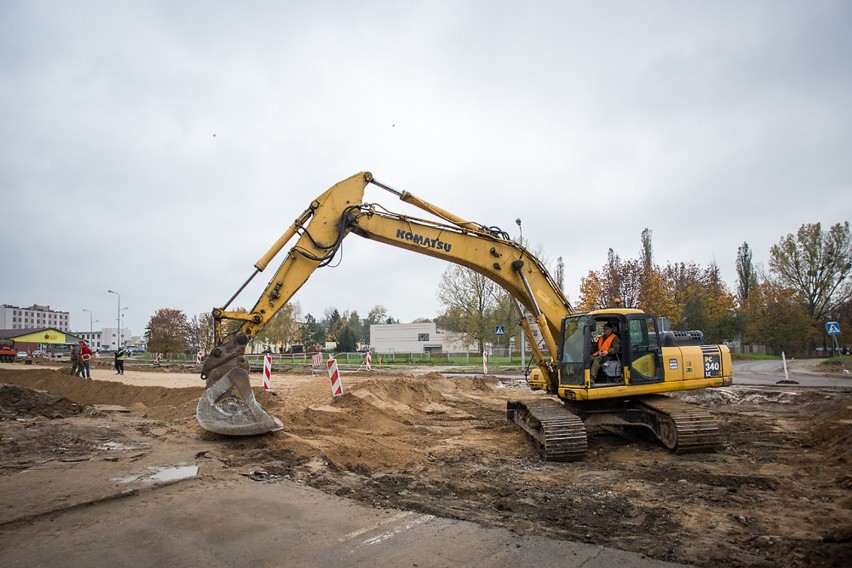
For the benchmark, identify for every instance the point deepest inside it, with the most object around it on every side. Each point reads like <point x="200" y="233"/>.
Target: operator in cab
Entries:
<point x="607" y="347"/>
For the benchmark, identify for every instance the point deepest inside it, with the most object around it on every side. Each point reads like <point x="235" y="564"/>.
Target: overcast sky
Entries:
<point x="710" y="123"/>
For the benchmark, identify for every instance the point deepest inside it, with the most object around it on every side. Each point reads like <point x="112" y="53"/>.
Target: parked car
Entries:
<point x="22" y="355"/>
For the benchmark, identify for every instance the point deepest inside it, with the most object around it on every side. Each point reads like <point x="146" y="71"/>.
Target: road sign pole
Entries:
<point x="839" y="354"/>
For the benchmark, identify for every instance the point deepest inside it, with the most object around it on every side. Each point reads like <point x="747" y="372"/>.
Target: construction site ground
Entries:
<point x="418" y="447"/>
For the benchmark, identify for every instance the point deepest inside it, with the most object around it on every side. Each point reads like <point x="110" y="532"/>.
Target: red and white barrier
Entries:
<point x="317" y="360"/>
<point x="485" y="362"/>
<point x="198" y="357"/>
<point x="267" y="370"/>
<point x="334" y="375"/>
<point x="369" y="360"/>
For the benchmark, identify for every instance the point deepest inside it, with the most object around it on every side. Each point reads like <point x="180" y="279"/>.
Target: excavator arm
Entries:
<point x="228" y="405"/>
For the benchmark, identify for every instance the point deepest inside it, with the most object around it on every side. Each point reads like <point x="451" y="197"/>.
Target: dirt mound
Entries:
<point x="155" y="402"/>
<point x="378" y="423"/>
<point x="22" y="402"/>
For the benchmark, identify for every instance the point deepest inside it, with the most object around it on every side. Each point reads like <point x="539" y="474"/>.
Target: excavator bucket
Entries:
<point x="228" y="405"/>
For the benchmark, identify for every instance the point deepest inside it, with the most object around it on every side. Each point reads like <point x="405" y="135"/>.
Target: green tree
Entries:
<point x="469" y="301"/>
<point x="312" y="334"/>
<point x="345" y="339"/>
<point x="746" y="275"/>
<point x="560" y="274"/>
<point x="169" y="332"/>
<point x="356" y="326"/>
<point x="379" y="315"/>
<point x="646" y="256"/>
<point x="283" y="329"/>
<point x="332" y="322"/>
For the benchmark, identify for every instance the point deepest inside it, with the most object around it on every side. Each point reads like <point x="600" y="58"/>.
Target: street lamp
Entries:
<point x="523" y="313"/>
<point x="91" y="323"/>
<point x="117" y="317"/>
<point x="91" y="326"/>
<point x="121" y="331"/>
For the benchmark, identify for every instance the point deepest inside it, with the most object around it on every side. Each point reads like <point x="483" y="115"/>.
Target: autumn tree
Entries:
<point x="617" y="279"/>
<point x="817" y="265"/>
<point x="591" y="291"/>
<point x="203" y="331"/>
<point x="777" y="316"/>
<point x="655" y="297"/>
<point x="168" y="331"/>
<point x="711" y="308"/>
<point x="654" y="293"/>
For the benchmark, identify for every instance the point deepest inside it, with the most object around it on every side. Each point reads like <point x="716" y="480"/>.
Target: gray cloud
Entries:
<point x="709" y="123"/>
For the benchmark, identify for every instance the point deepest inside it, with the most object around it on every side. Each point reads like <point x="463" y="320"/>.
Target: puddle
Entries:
<point x="115" y="446"/>
<point x="161" y="474"/>
<point x="175" y="473"/>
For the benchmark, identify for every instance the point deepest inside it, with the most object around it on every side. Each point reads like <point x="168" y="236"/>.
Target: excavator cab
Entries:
<point x="579" y="340"/>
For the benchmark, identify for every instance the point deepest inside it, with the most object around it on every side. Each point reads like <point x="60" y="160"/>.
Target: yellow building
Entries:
<point x="48" y="339"/>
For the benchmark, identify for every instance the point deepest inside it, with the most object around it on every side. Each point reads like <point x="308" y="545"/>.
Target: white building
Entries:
<point x="105" y="339"/>
<point x="109" y="337"/>
<point x="415" y="338"/>
<point x="13" y="317"/>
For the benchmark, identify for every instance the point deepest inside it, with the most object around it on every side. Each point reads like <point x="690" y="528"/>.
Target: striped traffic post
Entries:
<point x="267" y="370"/>
<point x="334" y="376"/>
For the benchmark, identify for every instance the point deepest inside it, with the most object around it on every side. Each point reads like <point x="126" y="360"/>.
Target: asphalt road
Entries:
<point x="804" y="373"/>
<point x="257" y="524"/>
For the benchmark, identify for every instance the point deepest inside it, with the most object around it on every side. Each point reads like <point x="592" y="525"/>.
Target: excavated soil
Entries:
<point x="778" y="493"/>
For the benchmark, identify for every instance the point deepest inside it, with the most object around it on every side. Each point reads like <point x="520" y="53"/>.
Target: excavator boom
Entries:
<point x="228" y="406"/>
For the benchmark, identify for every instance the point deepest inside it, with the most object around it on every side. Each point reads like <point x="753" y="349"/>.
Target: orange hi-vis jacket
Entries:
<point x="605" y="343"/>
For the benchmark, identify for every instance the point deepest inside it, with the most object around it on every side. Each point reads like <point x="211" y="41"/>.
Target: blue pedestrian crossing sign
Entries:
<point x="499" y="330"/>
<point x="832" y="328"/>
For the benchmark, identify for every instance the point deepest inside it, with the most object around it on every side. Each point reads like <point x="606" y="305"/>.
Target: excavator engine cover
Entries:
<point x="228" y="405"/>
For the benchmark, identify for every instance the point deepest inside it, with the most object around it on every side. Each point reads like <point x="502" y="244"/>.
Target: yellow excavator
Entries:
<point x="624" y="395"/>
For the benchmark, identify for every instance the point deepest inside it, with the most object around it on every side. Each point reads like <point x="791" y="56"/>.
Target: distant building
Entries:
<point x="415" y="338"/>
<point x="92" y="338"/>
<point x="109" y="338"/>
<point x="106" y="339"/>
<point x="13" y="317"/>
<point x="47" y="339"/>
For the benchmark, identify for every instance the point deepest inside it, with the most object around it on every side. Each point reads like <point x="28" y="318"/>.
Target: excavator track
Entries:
<point x="680" y="426"/>
<point x="558" y="433"/>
